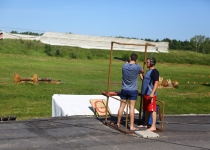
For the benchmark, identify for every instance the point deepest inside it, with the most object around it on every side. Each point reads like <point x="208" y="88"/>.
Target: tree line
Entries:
<point x="26" y="33"/>
<point x="198" y="43"/>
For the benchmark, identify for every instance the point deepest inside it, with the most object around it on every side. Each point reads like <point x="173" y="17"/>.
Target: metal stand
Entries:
<point x="126" y="122"/>
<point x="161" y="116"/>
<point x="108" y="84"/>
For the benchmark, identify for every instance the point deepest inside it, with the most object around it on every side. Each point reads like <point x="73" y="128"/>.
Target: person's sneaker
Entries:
<point x="5" y="118"/>
<point x="142" y="126"/>
<point x="12" y="118"/>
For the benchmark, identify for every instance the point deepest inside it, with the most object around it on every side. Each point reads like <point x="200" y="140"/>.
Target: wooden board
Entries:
<point x="99" y="107"/>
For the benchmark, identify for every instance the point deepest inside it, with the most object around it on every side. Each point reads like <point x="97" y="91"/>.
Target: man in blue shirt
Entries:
<point x="129" y="91"/>
<point x="150" y="84"/>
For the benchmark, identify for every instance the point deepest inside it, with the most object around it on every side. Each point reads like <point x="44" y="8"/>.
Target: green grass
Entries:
<point x="36" y="48"/>
<point x="89" y="76"/>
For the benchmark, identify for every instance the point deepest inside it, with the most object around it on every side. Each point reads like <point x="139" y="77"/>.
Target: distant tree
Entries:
<point x="120" y="37"/>
<point x="133" y="38"/>
<point x="196" y="42"/>
<point x="206" y="46"/>
<point x="187" y="45"/>
<point x="166" y="40"/>
<point x="150" y="40"/>
<point x="178" y="45"/>
<point x="14" y="32"/>
<point x="29" y="33"/>
<point x="200" y="44"/>
<point x="125" y="37"/>
<point x="173" y="44"/>
<point x="157" y="40"/>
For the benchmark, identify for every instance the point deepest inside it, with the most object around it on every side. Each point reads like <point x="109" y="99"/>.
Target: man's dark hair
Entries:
<point x="134" y="57"/>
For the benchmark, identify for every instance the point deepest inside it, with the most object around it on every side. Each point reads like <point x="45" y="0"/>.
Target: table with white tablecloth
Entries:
<point x="70" y="105"/>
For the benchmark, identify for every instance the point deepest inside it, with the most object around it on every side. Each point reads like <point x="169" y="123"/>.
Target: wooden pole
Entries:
<point x="146" y="44"/>
<point x="109" y="75"/>
<point x="141" y="97"/>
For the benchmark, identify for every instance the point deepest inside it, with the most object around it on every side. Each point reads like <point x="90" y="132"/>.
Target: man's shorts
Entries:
<point x="149" y="104"/>
<point x="129" y="94"/>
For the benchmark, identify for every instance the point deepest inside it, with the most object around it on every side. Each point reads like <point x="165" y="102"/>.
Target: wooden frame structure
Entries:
<point x="108" y="88"/>
<point x="161" y="115"/>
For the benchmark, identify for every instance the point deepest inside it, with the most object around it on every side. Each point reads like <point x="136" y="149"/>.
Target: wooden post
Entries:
<point x="109" y="75"/>
<point x="141" y="97"/>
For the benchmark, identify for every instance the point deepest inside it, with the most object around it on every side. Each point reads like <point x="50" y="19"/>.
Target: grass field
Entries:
<point x="89" y="76"/>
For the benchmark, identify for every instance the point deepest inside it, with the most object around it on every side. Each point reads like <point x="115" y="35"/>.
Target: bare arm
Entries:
<point x="154" y="89"/>
<point x="141" y="76"/>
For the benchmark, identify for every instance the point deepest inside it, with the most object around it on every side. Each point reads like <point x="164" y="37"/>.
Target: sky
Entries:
<point x="151" y="19"/>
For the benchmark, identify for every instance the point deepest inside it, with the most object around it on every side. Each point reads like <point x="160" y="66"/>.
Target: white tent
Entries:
<point x="87" y="41"/>
<point x="99" y="42"/>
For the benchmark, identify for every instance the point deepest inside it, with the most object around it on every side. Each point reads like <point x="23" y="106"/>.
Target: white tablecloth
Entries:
<point x="70" y="105"/>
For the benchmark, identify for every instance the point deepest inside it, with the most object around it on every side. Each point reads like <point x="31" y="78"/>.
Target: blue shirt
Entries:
<point x="150" y="77"/>
<point x="130" y="74"/>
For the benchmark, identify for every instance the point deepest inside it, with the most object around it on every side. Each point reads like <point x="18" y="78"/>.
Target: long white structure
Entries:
<point x="88" y="41"/>
<point x="71" y="105"/>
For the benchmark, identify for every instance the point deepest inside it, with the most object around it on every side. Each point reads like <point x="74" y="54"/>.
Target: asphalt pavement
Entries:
<point x="190" y="132"/>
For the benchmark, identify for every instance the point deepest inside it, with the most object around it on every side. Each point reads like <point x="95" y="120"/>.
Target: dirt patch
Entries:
<point x="188" y="93"/>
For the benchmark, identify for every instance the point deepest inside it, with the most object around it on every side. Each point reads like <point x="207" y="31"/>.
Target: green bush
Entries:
<point x="57" y="53"/>
<point x="73" y="55"/>
<point x="29" y="44"/>
<point x="89" y="56"/>
<point x="48" y="50"/>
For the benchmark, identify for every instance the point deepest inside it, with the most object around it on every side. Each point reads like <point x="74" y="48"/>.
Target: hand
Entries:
<point x="151" y="95"/>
